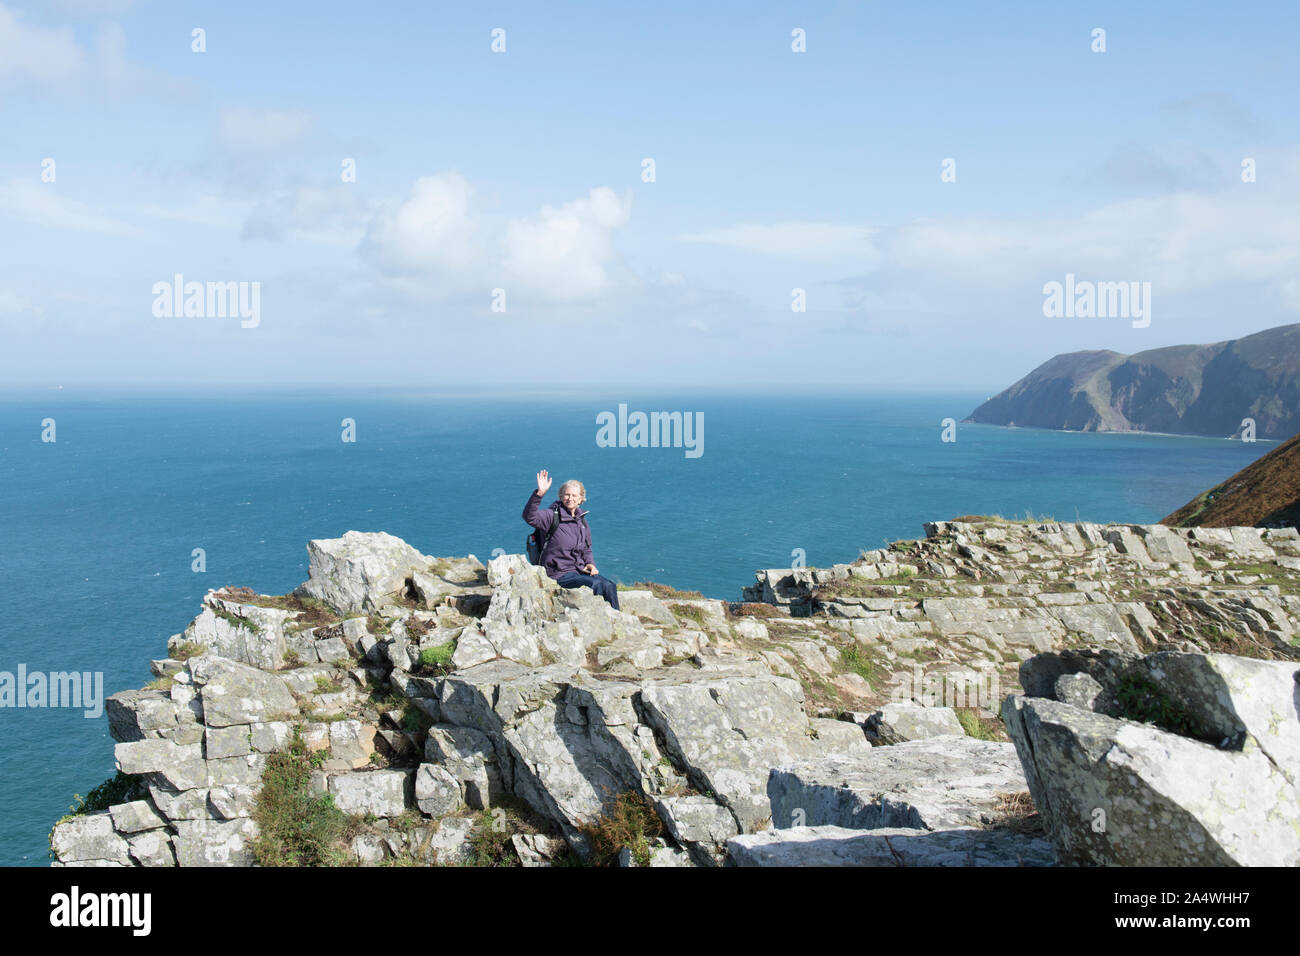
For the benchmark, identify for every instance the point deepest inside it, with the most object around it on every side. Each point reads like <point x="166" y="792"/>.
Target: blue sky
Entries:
<point x="522" y="171"/>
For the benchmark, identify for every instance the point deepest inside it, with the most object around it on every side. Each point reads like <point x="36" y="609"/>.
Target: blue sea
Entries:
<point x="100" y="525"/>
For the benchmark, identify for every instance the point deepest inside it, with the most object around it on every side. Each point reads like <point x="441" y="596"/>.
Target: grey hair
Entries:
<point x="573" y="483"/>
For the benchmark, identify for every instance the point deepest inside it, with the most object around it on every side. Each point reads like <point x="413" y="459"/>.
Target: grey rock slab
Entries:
<point x="537" y="849"/>
<point x="351" y="742"/>
<point x="1253" y="703"/>
<point x="696" y="819"/>
<point x="470" y="756"/>
<point x="154" y="848"/>
<point x="137" y="714"/>
<point x="445" y="843"/>
<point x="89" y="837"/>
<point x="235" y="693"/>
<point x="1103" y="623"/>
<point x="840" y="846"/>
<point x="136" y="816"/>
<point x="369" y="848"/>
<point x="839" y="737"/>
<point x="153" y="755"/>
<point x="221" y="742"/>
<point x="728" y="731"/>
<point x="645" y="604"/>
<point x="179" y="804"/>
<point x="215" y="842"/>
<point x="1078" y="690"/>
<point x="933" y="784"/>
<point x="378" y="792"/>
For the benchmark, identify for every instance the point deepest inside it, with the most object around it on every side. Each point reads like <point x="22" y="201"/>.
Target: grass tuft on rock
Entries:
<point x="980" y="727"/>
<point x="119" y="788"/>
<point x="629" y="822"/>
<point x="662" y="591"/>
<point x="184" y="651"/>
<point x="490" y="842"/>
<point x="1141" y="699"/>
<point x="437" y="660"/>
<point x="691" y="612"/>
<point x="297" y="827"/>
<point x="753" y="609"/>
<point x="855" y="660"/>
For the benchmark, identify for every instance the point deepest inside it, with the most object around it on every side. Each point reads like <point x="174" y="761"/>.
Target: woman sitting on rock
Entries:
<point x="567" y="554"/>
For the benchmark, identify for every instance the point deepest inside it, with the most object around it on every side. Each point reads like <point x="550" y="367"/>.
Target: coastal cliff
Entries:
<point x="1265" y="494"/>
<point x="1181" y="390"/>
<point x="401" y="709"/>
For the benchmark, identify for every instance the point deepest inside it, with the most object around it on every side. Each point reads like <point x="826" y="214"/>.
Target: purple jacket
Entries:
<point x="569" y="548"/>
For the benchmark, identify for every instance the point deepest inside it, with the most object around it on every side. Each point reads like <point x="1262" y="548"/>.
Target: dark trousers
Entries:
<point x="602" y="585"/>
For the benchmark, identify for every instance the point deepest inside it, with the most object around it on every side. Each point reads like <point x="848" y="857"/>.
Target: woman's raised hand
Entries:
<point x="543" y="482"/>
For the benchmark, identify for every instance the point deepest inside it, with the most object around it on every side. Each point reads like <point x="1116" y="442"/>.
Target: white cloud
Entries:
<point x="562" y="254"/>
<point x="1290" y="291"/>
<point x="436" y="241"/>
<point x="1182" y="242"/>
<point x="432" y="231"/>
<point x="806" y="239"/>
<point x="95" y="7"/>
<point x="33" y="53"/>
<point x="116" y="74"/>
<point x="53" y="59"/>
<point x="331" y="214"/>
<point x="44" y="205"/>
<point x="250" y="132"/>
<point x="11" y="303"/>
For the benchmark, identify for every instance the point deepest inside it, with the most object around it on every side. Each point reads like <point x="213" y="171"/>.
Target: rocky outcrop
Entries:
<point x="359" y="571"/>
<point x="1181" y="389"/>
<point x="947" y="620"/>
<point x="1175" y="760"/>
<point x="439" y="699"/>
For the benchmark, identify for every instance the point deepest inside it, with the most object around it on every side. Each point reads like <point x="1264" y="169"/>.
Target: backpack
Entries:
<point x="536" y="542"/>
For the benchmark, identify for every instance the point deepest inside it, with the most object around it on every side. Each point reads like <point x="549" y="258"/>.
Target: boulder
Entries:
<point x="359" y="571"/>
<point x="900" y="721"/>
<point x="241" y="632"/>
<point x="1113" y="791"/>
<point x="437" y="792"/>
